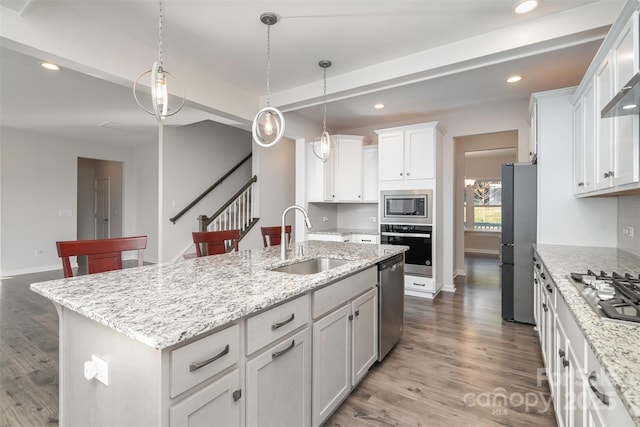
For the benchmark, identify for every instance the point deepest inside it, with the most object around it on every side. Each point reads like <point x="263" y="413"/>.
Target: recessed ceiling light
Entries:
<point x="49" y="66"/>
<point x="629" y="106"/>
<point x="514" y="79"/>
<point x="525" y="6"/>
<point x="379" y="106"/>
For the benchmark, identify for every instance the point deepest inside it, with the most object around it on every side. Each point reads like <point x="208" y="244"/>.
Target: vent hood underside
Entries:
<point x="626" y="102"/>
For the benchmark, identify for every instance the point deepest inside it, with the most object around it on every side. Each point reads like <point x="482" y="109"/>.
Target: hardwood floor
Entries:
<point x="457" y="364"/>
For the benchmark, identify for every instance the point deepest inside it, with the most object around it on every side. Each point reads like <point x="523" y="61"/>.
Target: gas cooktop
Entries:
<point x="615" y="296"/>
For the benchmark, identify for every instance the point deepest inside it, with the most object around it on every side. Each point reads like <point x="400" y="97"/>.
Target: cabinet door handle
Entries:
<point x="544" y="306"/>
<point x="611" y="174"/>
<point x="601" y="396"/>
<point x="607" y="174"/>
<point x="351" y="317"/>
<point x="565" y="362"/>
<point x="538" y="266"/>
<point x="581" y="184"/>
<point x="561" y="353"/>
<point x="281" y="352"/>
<point x="408" y="173"/>
<point x="400" y="173"/>
<point x="194" y="366"/>
<point x="237" y="395"/>
<point x="543" y="276"/>
<point x="549" y="289"/>
<point x="284" y="322"/>
<point x="357" y="313"/>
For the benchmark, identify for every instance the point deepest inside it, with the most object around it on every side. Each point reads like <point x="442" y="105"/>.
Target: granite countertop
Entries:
<point x="344" y="231"/>
<point x="165" y="304"/>
<point x="615" y="345"/>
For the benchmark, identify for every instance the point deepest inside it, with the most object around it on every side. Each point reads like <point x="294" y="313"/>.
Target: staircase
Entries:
<point x="237" y="213"/>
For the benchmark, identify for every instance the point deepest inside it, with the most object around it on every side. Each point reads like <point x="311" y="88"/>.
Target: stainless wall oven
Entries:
<point x="418" y="237"/>
<point x="406" y="207"/>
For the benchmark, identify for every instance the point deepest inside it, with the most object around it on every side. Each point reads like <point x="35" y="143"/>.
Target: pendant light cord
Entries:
<point x="160" y="28"/>
<point x="268" y="63"/>
<point x="324" y="99"/>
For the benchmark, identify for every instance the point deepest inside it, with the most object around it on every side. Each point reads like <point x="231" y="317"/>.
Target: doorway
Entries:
<point x="478" y="160"/>
<point x="99" y="199"/>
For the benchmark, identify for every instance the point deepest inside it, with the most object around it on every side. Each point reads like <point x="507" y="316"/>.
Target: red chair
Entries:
<point x="215" y="241"/>
<point x="274" y="235"/>
<point x="102" y="255"/>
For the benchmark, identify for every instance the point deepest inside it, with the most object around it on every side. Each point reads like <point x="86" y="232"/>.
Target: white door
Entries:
<point x="331" y="363"/>
<point x="279" y="384"/>
<point x="102" y="208"/>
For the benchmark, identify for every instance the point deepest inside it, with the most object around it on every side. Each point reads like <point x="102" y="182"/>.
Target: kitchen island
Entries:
<point x="590" y="360"/>
<point x="221" y="338"/>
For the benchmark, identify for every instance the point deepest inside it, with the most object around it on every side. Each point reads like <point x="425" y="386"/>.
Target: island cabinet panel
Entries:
<point x="331" y="362"/>
<point x="279" y="383"/>
<point x="273" y="324"/>
<point x="215" y="405"/>
<point x="329" y="297"/>
<point x="204" y="358"/>
<point x="345" y="344"/>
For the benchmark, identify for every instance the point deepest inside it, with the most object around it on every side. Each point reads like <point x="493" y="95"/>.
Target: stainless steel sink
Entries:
<point x="311" y="266"/>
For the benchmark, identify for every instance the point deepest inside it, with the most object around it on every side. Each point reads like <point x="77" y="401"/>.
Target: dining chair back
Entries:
<point x="102" y="254"/>
<point x="215" y="242"/>
<point x="271" y="235"/>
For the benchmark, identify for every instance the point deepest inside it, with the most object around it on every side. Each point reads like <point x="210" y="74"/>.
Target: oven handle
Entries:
<point x="385" y="233"/>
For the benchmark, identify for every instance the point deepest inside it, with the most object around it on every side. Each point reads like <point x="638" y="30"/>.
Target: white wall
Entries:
<point x="39" y="178"/>
<point x="146" y="201"/>
<point x="194" y="157"/>
<point x="629" y="216"/>
<point x="275" y="168"/>
<point x="562" y="218"/>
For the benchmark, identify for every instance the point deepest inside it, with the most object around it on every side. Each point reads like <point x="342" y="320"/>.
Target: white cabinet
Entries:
<point x="340" y="178"/>
<point x="345" y="340"/>
<point x="279" y="383"/>
<point x="364" y="238"/>
<point x="408" y="153"/>
<point x="604" y="136"/>
<point x="218" y="404"/>
<point x="370" y="174"/>
<point x="353" y="238"/>
<point x="614" y="166"/>
<point x="533" y="129"/>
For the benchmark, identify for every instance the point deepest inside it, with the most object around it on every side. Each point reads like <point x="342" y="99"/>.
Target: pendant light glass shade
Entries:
<point x="322" y="146"/>
<point x="268" y="125"/>
<point x="158" y="82"/>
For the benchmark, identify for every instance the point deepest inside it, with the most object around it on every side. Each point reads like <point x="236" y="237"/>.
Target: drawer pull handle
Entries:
<point x="194" y="366"/>
<point x="545" y="307"/>
<point x="549" y="288"/>
<point x="281" y="324"/>
<point x="601" y="396"/>
<point x="543" y="276"/>
<point x="366" y="240"/>
<point x="419" y="284"/>
<point x="281" y="352"/>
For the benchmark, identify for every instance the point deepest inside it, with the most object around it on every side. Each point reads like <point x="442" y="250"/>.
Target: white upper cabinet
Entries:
<point x="614" y="164"/>
<point x="370" y="174"/>
<point x="340" y="178"/>
<point x="408" y="154"/>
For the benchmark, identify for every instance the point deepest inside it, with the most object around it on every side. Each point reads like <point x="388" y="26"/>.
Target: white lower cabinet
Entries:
<point x="217" y="404"/>
<point x="279" y="383"/>
<point x="344" y="348"/>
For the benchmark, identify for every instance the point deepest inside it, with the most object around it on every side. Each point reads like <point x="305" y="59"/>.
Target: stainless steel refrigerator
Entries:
<point x="519" y="202"/>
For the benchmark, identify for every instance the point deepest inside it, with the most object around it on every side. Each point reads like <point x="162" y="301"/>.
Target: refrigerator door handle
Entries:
<point x="507" y="244"/>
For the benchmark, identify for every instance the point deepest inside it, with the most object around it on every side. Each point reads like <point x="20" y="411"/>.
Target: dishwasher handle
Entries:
<point x="391" y="263"/>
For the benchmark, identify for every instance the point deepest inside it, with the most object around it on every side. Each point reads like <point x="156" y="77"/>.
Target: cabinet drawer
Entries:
<point x="202" y="359"/>
<point x="338" y="293"/>
<point x="419" y="283"/>
<point x="599" y="388"/>
<point x="571" y="329"/>
<point x="273" y="324"/>
<point x="364" y="238"/>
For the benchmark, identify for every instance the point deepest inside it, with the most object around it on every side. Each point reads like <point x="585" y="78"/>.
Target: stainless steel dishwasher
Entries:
<point x="391" y="303"/>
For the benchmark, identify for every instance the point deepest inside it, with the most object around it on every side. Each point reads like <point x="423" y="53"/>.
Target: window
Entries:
<point x="486" y="196"/>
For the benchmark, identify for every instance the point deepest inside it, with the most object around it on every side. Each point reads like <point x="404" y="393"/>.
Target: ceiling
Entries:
<point x="226" y="39"/>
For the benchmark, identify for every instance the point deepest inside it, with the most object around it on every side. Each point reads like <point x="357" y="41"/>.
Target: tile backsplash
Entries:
<point x="629" y="223"/>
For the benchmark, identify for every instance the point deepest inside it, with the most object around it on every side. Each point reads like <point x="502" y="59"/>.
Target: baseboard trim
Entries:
<point x="459" y="273"/>
<point x="449" y="288"/>
<point x="9" y="273"/>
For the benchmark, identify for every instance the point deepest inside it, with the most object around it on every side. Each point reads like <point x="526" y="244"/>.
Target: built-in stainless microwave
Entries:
<point x="406" y="207"/>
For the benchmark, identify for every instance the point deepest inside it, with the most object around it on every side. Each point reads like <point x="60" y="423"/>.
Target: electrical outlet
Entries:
<point x="39" y="252"/>
<point x="325" y="218"/>
<point x="630" y="231"/>
<point x="372" y="219"/>
<point x="102" y="369"/>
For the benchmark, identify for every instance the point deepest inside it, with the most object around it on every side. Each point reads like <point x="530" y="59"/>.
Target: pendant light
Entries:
<point x="268" y="125"/>
<point x="322" y="146"/>
<point x="159" y="77"/>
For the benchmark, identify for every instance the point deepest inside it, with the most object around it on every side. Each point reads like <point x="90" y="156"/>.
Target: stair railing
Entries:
<point x="209" y="190"/>
<point x="237" y="213"/>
